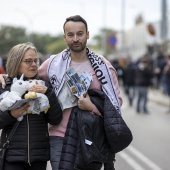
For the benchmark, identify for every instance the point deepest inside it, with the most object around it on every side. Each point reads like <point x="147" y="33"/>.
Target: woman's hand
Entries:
<point x="85" y="103"/>
<point x="16" y="113"/>
<point x="39" y="88"/>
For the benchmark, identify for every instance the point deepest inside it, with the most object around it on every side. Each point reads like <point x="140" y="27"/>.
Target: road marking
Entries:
<point x="143" y="158"/>
<point x="130" y="161"/>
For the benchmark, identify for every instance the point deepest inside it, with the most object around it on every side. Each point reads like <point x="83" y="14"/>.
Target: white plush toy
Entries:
<point x="18" y="88"/>
<point x="43" y="101"/>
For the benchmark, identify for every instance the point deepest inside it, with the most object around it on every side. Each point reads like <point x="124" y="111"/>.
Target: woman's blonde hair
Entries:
<point x="15" y="57"/>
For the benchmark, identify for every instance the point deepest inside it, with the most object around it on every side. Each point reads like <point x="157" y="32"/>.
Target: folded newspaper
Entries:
<point x="78" y="83"/>
<point x="21" y="102"/>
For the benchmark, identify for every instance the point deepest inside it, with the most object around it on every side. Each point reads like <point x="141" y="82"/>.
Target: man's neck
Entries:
<point x="79" y="56"/>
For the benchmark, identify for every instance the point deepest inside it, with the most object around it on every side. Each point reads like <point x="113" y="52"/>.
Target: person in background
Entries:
<point x="129" y="80"/>
<point x="29" y="148"/>
<point x="166" y="76"/>
<point x="143" y="77"/>
<point x="2" y="70"/>
<point x="79" y="57"/>
<point x="158" y="65"/>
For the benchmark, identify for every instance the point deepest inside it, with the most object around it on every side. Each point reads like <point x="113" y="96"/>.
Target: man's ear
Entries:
<point x="88" y="34"/>
<point x="64" y="36"/>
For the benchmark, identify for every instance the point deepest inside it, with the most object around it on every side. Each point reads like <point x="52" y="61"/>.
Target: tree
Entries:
<point x="10" y="36"/>
<point x="56" y="46"/>
<point x="45" y="43"/>
<point x="99" y="41"/>
<point x="41" y="41"/>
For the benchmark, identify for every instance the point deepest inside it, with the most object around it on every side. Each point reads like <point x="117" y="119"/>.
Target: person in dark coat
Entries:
<point x="29" y="147"/>
<point x="129" y="81"/>
<point x="143" y="77"/>
<point x="166" y="76"/>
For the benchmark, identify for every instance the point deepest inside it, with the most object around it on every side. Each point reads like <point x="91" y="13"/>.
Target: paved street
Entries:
<point x="149" y="149"/>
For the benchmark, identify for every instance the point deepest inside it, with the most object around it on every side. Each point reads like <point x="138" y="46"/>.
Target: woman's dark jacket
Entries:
<point x="31" y="139"/>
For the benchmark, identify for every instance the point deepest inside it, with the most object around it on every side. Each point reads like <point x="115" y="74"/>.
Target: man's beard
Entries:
<point x="78" y="49"/>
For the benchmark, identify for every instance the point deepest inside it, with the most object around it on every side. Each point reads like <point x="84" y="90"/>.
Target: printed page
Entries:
<point x="21" y="102"/>
<point x="77" y="83"/>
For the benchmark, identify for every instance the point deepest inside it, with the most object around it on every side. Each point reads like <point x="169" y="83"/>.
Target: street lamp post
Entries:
<point x="104" y="12"/>
<point x="163" y="19"/>
<point x="123" y="25"/>
<point x="164" y="23"/>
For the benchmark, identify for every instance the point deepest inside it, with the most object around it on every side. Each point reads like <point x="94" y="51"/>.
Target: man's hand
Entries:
<point x="85" y="103"/>
<point x="2" y="80"/>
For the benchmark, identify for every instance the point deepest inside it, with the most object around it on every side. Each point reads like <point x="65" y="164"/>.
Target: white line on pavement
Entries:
<point x="130" y="161"/>
<point x="143" y="158"/>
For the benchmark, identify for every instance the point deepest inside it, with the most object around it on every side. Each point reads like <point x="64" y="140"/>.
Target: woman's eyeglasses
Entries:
<point x="30" y="61"/>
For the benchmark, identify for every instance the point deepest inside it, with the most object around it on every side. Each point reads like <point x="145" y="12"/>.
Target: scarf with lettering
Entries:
<point x="60" y="63"/>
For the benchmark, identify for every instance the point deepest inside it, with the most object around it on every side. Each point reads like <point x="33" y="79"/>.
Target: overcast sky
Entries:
<point x="48" y="16"/>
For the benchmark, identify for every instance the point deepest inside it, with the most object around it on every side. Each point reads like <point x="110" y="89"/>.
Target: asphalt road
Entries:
<point x="150" y="147"/>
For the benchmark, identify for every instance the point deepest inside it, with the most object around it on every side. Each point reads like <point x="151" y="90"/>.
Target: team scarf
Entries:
<point x="60" y="63"/>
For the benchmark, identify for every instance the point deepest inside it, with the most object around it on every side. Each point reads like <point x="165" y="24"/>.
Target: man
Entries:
<point x="81" y="59"/>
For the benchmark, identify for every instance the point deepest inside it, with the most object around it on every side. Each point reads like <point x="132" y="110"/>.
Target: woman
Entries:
<point x="29" y="148"/>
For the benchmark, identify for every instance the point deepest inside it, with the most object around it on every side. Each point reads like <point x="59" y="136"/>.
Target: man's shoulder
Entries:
<point x="8" y="80"/>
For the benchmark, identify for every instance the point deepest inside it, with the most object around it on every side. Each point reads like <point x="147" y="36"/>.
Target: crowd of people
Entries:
<point x="137" y="76"/>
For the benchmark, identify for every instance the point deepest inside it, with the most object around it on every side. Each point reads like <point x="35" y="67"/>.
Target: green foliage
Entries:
<point x="56" y="46"/>
<point x="41" y="41"/>
<point x="45" y="43"/>
<point x="10" y="36"/>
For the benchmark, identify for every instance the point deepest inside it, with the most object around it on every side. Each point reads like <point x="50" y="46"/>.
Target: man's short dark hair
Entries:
<point x="76" y="18"/>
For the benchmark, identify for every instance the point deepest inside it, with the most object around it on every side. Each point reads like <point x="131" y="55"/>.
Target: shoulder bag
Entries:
<point x="6" y="145"/>
<point x="118" y="134"/>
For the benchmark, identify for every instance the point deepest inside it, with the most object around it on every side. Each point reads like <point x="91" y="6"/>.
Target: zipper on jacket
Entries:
<point x="28" y="128"/>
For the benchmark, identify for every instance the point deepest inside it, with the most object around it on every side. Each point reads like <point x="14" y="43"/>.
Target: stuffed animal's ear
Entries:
<point x="22" y="77"/>
<point x="14" y="79"/>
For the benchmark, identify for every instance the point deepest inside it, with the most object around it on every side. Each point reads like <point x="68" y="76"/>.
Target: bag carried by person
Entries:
<point x="94" y="147"/>
<point x="118" y="134"/>
<point x="6" y="145"/>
